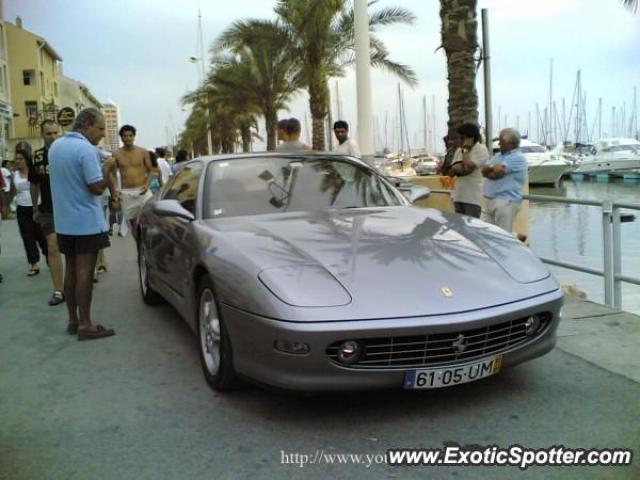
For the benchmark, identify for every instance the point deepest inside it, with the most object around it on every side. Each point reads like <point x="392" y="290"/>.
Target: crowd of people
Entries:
<point x="70" y="193"/>
<point x="499" y="179"/>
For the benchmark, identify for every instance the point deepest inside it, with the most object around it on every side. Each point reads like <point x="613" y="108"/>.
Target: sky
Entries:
<point x="136" y="53"/>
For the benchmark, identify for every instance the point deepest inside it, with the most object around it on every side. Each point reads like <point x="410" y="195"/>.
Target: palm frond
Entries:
<point x="390" y="16"/>
<point x="404" y="72"/>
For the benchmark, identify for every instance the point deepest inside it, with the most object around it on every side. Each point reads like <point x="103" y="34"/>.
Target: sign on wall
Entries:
<point x="66" y="116"/>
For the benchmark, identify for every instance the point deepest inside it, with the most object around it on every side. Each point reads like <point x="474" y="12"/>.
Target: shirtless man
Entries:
<point x="136" y="173"/>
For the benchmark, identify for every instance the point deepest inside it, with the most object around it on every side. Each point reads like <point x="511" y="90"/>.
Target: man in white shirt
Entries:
<point x="346" y="146"/>
<point x="163" y="165"/>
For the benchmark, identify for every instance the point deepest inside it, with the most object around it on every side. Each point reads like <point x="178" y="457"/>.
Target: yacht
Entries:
<point x="613" y="156"/>
<point x="544" y="168"/>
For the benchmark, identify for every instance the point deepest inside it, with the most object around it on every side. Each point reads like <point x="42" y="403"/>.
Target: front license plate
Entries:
<point x="445" y="377"/>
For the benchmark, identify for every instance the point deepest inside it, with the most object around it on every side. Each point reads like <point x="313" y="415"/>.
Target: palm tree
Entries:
<point x="264" y="71"/>
<point x="322" y="35"/>
<point x="241" y="109"/>
<point x="460" y="42"/>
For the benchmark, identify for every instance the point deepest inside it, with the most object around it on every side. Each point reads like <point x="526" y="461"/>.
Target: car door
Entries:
<point x="172" y="250"/>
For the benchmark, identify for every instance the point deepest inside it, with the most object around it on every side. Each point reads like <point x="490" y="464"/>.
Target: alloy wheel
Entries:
<point x="210" y="337"/>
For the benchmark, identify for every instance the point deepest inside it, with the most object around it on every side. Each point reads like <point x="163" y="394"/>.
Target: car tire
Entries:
<point x="214" y="343"/>
<point x="149" y="295"/>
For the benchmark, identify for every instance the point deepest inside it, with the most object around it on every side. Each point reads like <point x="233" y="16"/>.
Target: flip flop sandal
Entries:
<point x="33" y="271"/>
<point x="97" y="332"/>
<point x="72" y="328"/>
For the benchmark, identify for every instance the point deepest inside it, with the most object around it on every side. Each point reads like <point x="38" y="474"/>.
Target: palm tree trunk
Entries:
<point x="270" y="123"/>
<point x="245" y="135"/>
<point x="318" y="96"/>
<point x="460" y="42"/>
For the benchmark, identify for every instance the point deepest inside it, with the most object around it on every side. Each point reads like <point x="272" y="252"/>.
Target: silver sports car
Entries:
<point x="313" y="272"/>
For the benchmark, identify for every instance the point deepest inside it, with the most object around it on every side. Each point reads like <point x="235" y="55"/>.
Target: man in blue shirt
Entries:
<point x="506" y="174"/>
<point x="77" y="181"/>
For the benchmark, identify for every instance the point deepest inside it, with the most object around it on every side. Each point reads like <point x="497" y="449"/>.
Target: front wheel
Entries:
<point x="214" y="342"/>
<point x="149" y="295"/>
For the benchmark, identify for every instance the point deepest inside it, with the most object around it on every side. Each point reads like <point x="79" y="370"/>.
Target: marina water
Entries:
<point x="573" y="234"/>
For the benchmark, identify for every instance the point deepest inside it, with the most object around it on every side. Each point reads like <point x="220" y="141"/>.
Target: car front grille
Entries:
<point x="440" y="348"/>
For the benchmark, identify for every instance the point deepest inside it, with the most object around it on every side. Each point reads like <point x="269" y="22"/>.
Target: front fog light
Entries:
<point x="295" y="348"/>
<point x="532" y="325"/>
<point x="349" y="352"/>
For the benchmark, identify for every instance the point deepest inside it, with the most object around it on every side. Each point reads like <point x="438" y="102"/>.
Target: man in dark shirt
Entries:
<point x="43" y="212"/>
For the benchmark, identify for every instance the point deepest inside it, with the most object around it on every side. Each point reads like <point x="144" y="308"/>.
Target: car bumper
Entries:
<point x="254" y="355"/>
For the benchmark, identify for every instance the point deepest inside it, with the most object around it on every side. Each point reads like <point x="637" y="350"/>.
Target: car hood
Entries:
<point x="383" y="262"/>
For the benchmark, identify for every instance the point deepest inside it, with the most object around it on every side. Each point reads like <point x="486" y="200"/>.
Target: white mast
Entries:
<point x="433" y="122"/>
<point x="600" y="117"/>
<point x="401" y="151"/>
<point x="424" y="122"/>
<point x="203" y="82"/>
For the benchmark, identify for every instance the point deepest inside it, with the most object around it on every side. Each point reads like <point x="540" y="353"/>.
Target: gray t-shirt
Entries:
<point x="468" y="189"/>
<point x="296" y="146"/>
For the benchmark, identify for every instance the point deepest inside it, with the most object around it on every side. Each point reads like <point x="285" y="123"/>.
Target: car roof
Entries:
<point x="305" y="154"/>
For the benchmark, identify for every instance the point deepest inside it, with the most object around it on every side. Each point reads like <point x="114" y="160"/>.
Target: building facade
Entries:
<point x="112" y="125"/>
<point x="34" y="77"/>
<point x="76" y="95"/>
<point x="6" y="112"/>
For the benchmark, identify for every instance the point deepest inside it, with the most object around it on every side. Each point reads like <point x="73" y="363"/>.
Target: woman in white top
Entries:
<point x="29" y="230"/>
<point x="5" y="193"/>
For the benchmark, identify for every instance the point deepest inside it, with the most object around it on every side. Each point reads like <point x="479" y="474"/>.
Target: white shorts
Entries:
<point x="131" y="201"/>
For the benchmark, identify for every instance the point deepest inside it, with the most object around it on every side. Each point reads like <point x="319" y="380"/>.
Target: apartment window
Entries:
<point x="28" y="77"/>
<point x="43" y="92"/>
<point x="31" y="109"/>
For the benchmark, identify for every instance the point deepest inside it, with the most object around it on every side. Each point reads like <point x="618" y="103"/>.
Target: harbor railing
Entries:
<point x="612" y="218"/>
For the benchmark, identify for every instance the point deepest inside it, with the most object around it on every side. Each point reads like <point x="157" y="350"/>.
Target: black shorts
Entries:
<point x="45" y="220"/>
<point x="82" y="244"/>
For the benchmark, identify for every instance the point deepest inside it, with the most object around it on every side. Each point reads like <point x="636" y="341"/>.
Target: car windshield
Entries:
<point x="259" y="185"/>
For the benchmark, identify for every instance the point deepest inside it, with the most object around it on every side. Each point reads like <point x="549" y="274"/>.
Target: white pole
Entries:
<point x="204" y="79"/>
<point x="363" y="79"/>
<point x="486" y="61"/>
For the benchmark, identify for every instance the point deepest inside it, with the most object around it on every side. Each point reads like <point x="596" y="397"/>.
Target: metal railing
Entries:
<point x="611" y="244"/>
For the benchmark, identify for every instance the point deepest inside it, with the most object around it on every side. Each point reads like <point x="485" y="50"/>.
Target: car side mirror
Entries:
<point x="419" y="193"/>
<point x="172" y="208"/>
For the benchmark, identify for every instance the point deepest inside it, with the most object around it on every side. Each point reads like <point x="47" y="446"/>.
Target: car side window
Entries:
<point x="184" y="186"/>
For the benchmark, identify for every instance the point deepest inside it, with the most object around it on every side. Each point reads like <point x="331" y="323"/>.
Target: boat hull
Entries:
<point x="546" y="174"/>
<point x="611" y="166"/>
